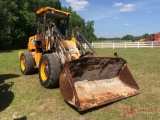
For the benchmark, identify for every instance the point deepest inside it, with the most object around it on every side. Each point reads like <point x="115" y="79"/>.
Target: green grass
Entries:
<point x="27" y="98"/>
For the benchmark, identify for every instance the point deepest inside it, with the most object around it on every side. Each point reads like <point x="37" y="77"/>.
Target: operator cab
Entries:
<point x="49" y="18"/>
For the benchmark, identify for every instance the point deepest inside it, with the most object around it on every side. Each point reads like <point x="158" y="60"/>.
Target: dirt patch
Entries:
<point x="96" y="68"/>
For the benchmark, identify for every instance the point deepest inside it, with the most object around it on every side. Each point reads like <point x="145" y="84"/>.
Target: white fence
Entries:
<point x="125" y="45"/>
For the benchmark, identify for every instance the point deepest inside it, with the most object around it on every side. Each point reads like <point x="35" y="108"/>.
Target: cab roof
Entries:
<point x="53" y="13"/>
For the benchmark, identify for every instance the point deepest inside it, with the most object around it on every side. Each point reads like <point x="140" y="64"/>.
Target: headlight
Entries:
<point x="72" y="50"/>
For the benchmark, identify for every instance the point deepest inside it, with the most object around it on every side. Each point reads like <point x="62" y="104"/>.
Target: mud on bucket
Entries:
<point x="93" y="81"/>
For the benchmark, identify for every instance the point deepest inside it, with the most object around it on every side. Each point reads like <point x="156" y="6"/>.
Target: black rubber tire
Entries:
<point x="49" y="75"/>
<point x="27" y="63"/>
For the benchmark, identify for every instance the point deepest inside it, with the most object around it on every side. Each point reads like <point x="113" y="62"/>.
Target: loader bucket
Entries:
<point x="93" y="81"/>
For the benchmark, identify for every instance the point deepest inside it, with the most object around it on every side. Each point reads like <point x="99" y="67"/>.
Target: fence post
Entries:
<point x="102" y="45"/>
<point x="152" y="45"/>
<point x="125" y="45"/>
<point x="113" y="45"/>
<point x="85" y="45"/>
<point x="138" y="45"/>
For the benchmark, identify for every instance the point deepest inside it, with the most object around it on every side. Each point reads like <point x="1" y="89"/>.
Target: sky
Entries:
<point x="117" y="18"/>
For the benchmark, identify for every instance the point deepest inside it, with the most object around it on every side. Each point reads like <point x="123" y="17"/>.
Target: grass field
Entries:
<point x="23" y="96"/>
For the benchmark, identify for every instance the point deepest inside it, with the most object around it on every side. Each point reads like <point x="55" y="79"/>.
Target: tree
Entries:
<point x="18" y="20"/>
<point x="87" y="28"/>
<point x="76" y="21"/>
<point x="7" y="22"/>
<point x="90" y="31"/>
<point x="146" y="35"/>
<point x="128" y="37"/>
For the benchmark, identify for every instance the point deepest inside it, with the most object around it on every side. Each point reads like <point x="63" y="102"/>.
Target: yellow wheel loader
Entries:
<point x="86" y="80"/>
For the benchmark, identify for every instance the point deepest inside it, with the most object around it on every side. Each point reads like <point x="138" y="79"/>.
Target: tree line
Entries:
<point x="127" y="37"/>
<point x="18" y="21"/>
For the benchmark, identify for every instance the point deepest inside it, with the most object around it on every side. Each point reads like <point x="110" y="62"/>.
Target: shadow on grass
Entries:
<point x="4" y="77"/>
<point x="6" y="95"/>
<point x="21" y="118"/>
<point x="94" y="108"/>
<point x="91" y="109"/>
<point x="5" y="51"/>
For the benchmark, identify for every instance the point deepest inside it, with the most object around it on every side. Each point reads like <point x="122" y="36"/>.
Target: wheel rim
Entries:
<point x="23" y="63"/>
<point x="44" y="70"/>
